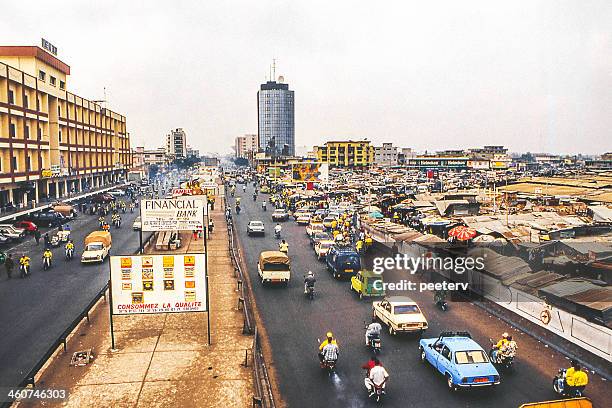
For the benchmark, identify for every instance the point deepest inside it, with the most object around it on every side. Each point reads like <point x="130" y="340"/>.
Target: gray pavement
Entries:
<point x="35" y="311"/>
<point x="294" y="323"/>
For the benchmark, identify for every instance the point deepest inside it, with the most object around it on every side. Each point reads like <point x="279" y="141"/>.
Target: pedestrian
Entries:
<point x="37" y="236"/>
<point x="211" y="226"/>
<point x="195" y="235"/>
<point x="47" y="239"/>
<point x="9" y="264"/>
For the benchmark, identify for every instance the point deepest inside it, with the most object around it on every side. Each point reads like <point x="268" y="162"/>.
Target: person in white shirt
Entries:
<point x="372" y="330"/>
<point x="330" y="352"/>
<point x="377" y="376"/>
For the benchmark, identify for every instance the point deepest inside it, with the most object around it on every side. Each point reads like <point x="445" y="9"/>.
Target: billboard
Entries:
<point x="184" y="213"/>
<point x="158" y="283"/>
<point x="305" y="171"/>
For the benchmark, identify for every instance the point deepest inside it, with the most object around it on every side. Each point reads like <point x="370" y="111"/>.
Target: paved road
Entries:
<point x="294" y="323"/>
<point x="35" y="311"/>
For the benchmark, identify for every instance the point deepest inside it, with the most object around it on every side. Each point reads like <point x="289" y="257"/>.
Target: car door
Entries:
<point x="432" y="354"/>
<point x="444" y="360"/>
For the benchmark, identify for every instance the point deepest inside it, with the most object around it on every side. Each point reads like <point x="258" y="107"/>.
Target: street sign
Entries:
<point x="177" y="214"/>
<point x="143" y="284"/>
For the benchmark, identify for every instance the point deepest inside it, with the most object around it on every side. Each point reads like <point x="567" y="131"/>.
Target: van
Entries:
<point x="274" y="267"/>
<point x="343" y="261"/>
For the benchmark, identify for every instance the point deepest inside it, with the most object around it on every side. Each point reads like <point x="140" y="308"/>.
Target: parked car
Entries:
<point x="342" y="261"/>
<point x="10" y="233"/>
<point x="460" y="360"/>
<point x="47" y="218"/>
<point x="256" y="227"/>
<point x="137" y="225"/>
<point x="28" y="226"/>
<point x="280" y="215"/>
<point x="401" y="314"/>
<point x="102" y="198"/>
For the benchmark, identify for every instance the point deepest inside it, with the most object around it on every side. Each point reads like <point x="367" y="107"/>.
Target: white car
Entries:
<point x="321" y="248"/>
<point x="116" y="193"/>
<point x="314" y="227"/>
<point x="303" y="219"/>
<point x="400" y="313"/>
<point x="256" y="227"/>
<point x="137" y="225"/>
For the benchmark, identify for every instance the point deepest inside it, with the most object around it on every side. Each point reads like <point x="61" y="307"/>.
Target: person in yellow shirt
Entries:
<point x="334" y="224"/>
<point x="500" y="344"/>
<point x="329" y="339"/>
<point x="575" y="379"/>
<point x="359" y="246"/>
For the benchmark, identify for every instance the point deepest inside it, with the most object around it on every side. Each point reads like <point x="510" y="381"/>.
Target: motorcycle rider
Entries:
<point x="330" y="349"/>
<point x="497" y="347"/>
<point x="132" y="205"/>
<point x="329" y="339"/>
<point x="47" y="256"/>
<point x="277" y="230"/>
<point x="309" y="281"/>
<point x="575" y="379"/>
<point x="69" y="248"/>
<point x="263" y="205"/>
<point x="24" y="265"/>
<point x="101" y="221"/>
<point x="283" y="247"/>
<point x="372" y="331"/>
<point x="509" y="348"/>
<point x="439" y="296"/>
<point x="377" y="376"/>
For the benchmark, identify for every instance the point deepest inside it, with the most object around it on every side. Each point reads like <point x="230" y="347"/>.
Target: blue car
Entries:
<point x="342" y="261"/>
<point x="460" y="359"/>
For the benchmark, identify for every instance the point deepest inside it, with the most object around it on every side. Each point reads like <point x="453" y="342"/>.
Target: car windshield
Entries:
<point x="471" y="357"/>
<point x="326" y="244"/>
<point x="406" y="309"/>
<point x="95" y="247"/>
<point x="256" y="224"/>
<point x="321" y="235"/>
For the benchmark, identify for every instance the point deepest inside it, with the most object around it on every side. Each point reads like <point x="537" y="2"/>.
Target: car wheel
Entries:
<point x="449" y="382"/>
<point x="423" y="357"/>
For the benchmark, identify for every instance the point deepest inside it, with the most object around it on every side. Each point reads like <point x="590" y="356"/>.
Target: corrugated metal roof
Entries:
<point x="569" y="288"/>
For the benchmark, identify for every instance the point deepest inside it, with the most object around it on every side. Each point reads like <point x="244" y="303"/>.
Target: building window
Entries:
<point x="12" y="130"/>
<point x="62" y="85"/>
<point x="11" y="97"/>
<point x="14" y="163"/>
<point x="52" y="80"/>
<point x="39" y="133"/>
<point x="42" y="75"/>
<point x="28" y="160"/>
<point x="60" y="135"/>
<point x="26" y="131"/>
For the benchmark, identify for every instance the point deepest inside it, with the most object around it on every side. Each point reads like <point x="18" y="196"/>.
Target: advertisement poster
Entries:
<point x="158" y="283"/>
<point x="176" y="214"/>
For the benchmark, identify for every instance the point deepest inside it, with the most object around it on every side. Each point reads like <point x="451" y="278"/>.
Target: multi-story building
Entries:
<point x="52" y="141"/>
<point x="176" y="143"/>
<point x="191" y="152"/>
<point x="385" y="155"/>
<point x="245" y="146"/>
<point x="275" y="119"/>
<point x="347" y="153"/>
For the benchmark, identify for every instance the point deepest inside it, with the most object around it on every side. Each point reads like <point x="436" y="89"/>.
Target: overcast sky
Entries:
<point x="532" y="75"/>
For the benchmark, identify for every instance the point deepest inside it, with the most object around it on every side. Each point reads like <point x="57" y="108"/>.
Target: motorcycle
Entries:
<point x="502" y="360"/>
<point x="277" y="234"/>
<point x="25" y="270"/>
<point x="375" y="343"/>
<point x="69" y="254"/>
<point x="310" y="292"/>
<point x="117" y="223"/>
<point x="237" y="210"/>
<point x="263" y="206"/>
<point x="254" y="197"/>
<point x="328" y="365"/>
<point x="46" y="263"/>
<point x="378" y="391"/>
<point x="560" y="388"/>
<point x="441" y="303"/>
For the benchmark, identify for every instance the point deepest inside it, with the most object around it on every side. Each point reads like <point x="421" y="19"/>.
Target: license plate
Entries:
<point x="481" y="380"/>
<point x="348" y="270"/>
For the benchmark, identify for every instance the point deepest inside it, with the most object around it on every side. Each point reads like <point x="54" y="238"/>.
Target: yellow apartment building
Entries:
<point x="53" y="142"/>
<point x="347" y="153"/>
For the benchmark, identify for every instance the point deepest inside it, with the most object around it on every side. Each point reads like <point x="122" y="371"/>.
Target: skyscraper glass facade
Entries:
<point x="275" y="113"/>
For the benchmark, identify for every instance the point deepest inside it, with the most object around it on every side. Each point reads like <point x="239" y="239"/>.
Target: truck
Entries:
<point x="97" y="247"/>
<point x="274" y="267"/>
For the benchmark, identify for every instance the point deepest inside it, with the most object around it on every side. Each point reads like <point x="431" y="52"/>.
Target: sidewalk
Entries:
<point x="163" y="360"/>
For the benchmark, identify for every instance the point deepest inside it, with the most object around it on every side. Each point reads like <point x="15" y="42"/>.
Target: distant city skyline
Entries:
<point x="533" y="76"/>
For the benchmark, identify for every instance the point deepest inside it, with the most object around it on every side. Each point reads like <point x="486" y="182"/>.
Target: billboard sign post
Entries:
<point x="184" y="213"/>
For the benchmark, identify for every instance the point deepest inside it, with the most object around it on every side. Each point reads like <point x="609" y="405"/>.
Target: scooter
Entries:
<point x="263" y="206"/>
<point x="277" y="234"/>
<point x="25" y="270"/>
<point x="69" y="254"/>
<point x="375" y="343"/>
<point x="560" y="388"/>
<point x="46" y="263"/>
<point x="441" y="303"/>
<point x="328" y="365"/>
<point x="237" y="210"/>
<point x="310" y="292"/>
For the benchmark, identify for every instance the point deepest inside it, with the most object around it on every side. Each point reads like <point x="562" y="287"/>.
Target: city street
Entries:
<point x="36" y="310"/>
<point x="294" y="324"/>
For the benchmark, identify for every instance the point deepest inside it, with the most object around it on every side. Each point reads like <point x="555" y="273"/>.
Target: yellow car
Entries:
<point x="367" y="283"/>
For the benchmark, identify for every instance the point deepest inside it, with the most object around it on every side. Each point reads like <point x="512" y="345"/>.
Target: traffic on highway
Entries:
<point x="343" y="334"/>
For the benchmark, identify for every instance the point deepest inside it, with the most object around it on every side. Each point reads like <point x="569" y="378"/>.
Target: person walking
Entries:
<point x="9" y="264"/>
<point x="37" y="235"/>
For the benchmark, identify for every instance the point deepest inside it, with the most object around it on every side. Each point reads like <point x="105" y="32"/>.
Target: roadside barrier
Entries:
<point x="263" y="389"/>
